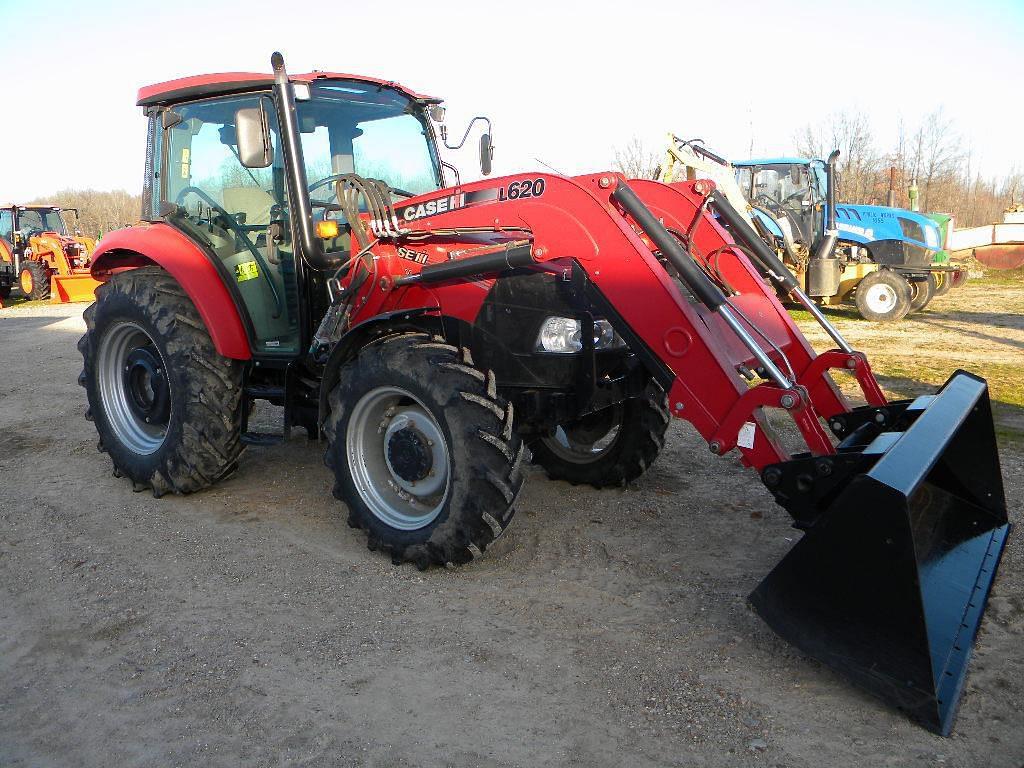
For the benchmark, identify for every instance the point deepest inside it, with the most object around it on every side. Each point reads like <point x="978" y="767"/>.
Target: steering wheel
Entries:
<point x="767" y="201"/>
<point x="235" y="227"/>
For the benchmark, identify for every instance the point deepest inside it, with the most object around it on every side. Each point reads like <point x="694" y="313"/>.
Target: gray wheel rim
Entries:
<point x="398" y="502"/>
<point x="114" y="349"/>
<point x="567" y="445"/>
<point x="881" y="298"/>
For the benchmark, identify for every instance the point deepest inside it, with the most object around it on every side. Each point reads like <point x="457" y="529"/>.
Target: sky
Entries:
<point x="564" y="83"/>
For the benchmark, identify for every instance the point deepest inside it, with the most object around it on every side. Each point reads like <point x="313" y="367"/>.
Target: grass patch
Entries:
<point x="1004" y="379"/>
<point x="903" y="379"/>
<point x="19" y="302"/>
<point x="841" y="312"/>
<point x="1001" y="277"/>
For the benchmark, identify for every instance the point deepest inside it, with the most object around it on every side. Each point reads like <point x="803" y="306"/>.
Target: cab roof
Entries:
<point x="774" y="161"/>
<point x="29" y="205"/>
<point x="235" y="82"/>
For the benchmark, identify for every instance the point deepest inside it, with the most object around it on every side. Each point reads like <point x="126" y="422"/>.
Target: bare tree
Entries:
<point x="937" y="161"/>
<point x="637" y="161"/>
<point x="850" y="133"/>
<point x="98" y="211"/>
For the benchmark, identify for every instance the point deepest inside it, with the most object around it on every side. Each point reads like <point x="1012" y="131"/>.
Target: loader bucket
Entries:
<point x="72" y="288"/>
<point x="889" y="584"/>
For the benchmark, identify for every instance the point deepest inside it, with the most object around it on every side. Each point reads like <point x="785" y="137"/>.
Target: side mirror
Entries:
<point x="486" y="154"/>
<point x="255" y="149"/>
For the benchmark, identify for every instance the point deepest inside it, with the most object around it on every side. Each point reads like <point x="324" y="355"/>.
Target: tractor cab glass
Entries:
<point x="373" y="132"/>
<point x="792" y="186"/>
<point x="785" y="185"/>
<point x="35" y="221"/>
<point x="238" y="213"/>
<point x="7" y="225"/>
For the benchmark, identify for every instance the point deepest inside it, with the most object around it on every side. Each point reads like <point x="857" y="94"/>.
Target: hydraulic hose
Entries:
<point x="702" y="286"/>
<point x="772" y="264"/>
<point x="757" y="247"/>
<point x="705" y="290"/>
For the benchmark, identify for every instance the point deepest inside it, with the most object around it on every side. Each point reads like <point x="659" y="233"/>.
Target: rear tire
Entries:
<point x="423" y="450"/>
<point x="167" y="406"/>
<point x="34" y="281"/>
<point x="609" y="448"/>
<point x="922" y="292"/>
<point x="883" y="296"/>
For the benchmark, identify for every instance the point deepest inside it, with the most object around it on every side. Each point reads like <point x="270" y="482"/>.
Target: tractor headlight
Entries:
<point x="562" y="335"/>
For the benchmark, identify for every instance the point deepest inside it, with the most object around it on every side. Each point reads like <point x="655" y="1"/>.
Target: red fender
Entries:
<point x="166" y="247"/>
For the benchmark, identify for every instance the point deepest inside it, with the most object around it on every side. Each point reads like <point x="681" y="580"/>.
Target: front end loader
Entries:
<point x="300" y="247"/>
<point x="48" y="260"/>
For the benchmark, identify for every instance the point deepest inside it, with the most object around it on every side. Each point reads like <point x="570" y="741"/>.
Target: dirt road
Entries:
<point x="248" y="625"/>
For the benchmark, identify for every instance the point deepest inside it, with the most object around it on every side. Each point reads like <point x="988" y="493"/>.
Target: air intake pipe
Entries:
<point x="828" y="244"/>
<point x="284" y="95"/>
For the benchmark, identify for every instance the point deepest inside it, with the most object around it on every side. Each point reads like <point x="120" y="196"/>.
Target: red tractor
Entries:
<point x="302" y="249"/>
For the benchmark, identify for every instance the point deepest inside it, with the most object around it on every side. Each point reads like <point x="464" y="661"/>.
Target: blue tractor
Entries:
<point x="884" y="257"/>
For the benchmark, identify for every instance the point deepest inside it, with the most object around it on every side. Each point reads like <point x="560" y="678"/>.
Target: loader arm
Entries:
<point x="701" y="360"/>
<point x="903" y="506"/>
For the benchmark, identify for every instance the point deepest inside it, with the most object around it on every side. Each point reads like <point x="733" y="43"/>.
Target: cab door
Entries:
<point x="238" y="213"/>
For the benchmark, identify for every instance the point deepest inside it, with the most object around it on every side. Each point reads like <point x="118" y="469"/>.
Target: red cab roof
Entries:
<point x="230" y="82"/>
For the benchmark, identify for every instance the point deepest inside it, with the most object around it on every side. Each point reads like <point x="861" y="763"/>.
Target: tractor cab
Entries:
<point x="221" y="173"/>
<point x="792" y="187"/>
<point x="20" y="223"/>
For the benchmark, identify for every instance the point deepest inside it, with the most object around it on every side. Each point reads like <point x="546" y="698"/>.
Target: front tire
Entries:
<point x="883" y="296"/>
<point x="423" y="450"/>
<point x="943" y="283"/>
<point x="609" y="448"/>
<point x="167" y="406"/>
<point x="34" y="281"/>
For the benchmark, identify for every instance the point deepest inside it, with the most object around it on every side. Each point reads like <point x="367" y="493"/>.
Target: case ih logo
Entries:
<point x="516" y="190"/>
<point x="432" y="207"/>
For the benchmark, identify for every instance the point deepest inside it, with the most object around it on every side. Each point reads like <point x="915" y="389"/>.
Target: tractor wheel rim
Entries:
<point x="134" y="388"/>
<point x="881" y="298"/>
<point x="589" y="443"/>
<point x="26" y="282"/>
<point x="398" y="458"/>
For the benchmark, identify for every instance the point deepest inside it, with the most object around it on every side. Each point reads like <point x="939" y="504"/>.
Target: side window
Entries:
<point x="240" y="213"/>
<point x="743" y="179"/>
<point x="6" y="226"/>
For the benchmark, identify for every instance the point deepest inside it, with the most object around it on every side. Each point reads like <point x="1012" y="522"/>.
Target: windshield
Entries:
<point x="41" y="220"/>
<point x="374" y="132"/>
<point x="776" y="184"/>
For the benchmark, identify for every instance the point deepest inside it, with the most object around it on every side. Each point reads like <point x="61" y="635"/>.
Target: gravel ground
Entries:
<point x="248" y="625"/>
